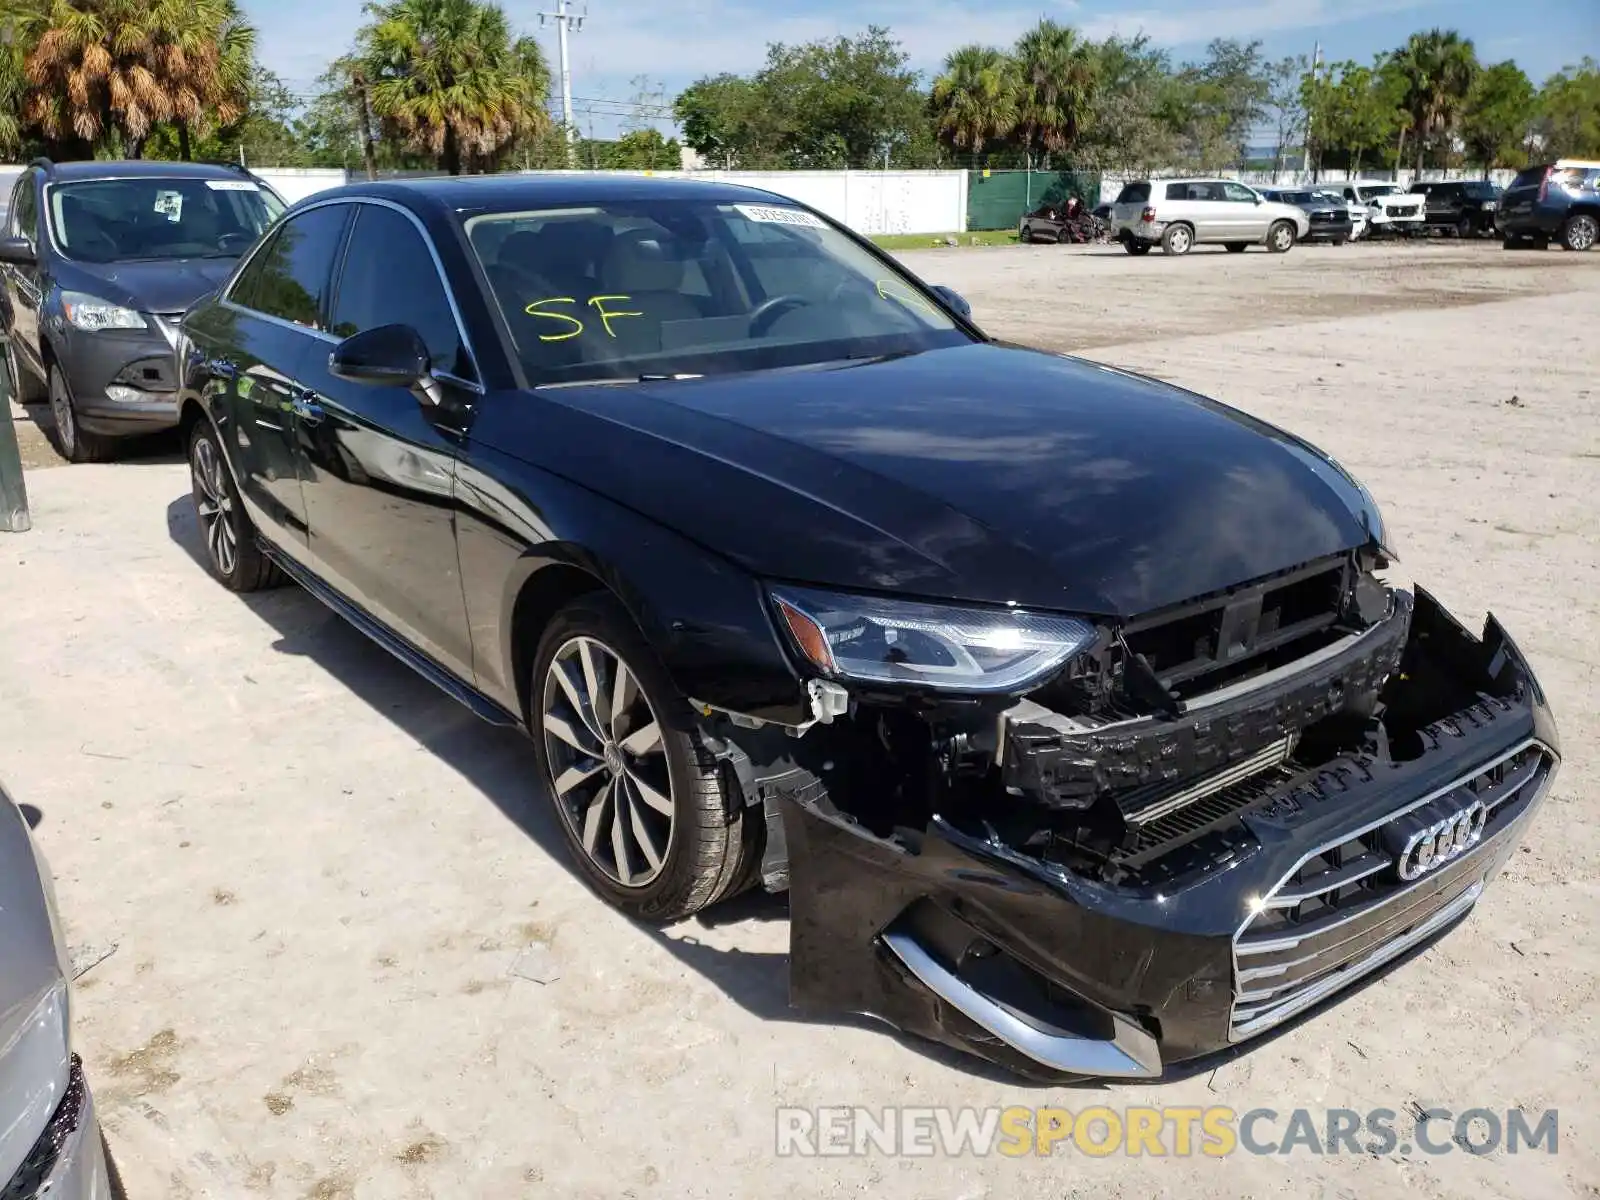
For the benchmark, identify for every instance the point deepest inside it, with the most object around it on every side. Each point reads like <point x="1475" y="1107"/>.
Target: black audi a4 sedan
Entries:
<point x="1072" y="709"/>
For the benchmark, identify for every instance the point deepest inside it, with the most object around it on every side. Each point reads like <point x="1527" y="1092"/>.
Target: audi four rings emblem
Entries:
<point x="1442" y="841"/>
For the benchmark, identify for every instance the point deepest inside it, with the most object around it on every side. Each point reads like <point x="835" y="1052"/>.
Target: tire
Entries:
<point x="1340" y="241"/>
<point x="690" y="840"/>
<point x="25" y="385"/>
<point x="75" y="444"/>
<point x="231" y="550"/>
<point x="1026" y="236"/>
<point x="1465" y="228"/>
<point x="1580" y="232"/>
<point x="1238" y="247"/>
<point x="1177" y="241"/>
<point x="1064" y="238"/>
<point x="1135" y="247"/>
<point x="1281" y="237"/>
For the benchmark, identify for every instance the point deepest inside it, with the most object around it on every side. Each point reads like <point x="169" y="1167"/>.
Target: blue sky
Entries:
<point x="675" y="43"/>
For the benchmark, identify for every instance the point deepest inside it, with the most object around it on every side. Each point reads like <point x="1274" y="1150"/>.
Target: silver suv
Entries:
<point x="1178" y="214"/>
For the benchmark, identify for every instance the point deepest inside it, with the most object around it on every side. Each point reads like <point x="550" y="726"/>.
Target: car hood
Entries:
<point x="155" y="286"/>
<point x="981" y="472"/>
<point x="31" y="1038"/>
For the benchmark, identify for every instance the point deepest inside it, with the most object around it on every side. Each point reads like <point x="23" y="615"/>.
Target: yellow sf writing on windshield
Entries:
<point x="571" y="325"/>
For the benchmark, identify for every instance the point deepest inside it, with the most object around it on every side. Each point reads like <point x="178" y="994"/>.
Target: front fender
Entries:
<point x="704" y="616"/>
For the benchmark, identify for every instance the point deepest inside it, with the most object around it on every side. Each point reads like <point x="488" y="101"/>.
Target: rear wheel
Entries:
<point x="640" y="800"/>
<point x="1177" y="240"/>
<point x="1280" y="238"/>
<point x="1238" y="247"/>
<point x="76" y="444"/>
<point x="1580" y="232"/>
<point x="1026" y="236"/>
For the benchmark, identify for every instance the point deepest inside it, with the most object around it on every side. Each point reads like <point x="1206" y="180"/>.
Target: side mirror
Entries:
<point x="387" y="356"/>
<point x="954" y="299"/>
<point x="18" y="250"/>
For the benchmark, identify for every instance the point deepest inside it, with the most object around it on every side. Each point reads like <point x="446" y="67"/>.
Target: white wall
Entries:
<point x="295" y="183"/>
<point x="867" y="201"/>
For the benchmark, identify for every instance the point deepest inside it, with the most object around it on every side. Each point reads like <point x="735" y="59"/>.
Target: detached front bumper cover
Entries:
<point x="955" y="935"/>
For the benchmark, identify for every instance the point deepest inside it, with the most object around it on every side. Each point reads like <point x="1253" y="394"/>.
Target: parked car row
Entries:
<point x="682" y="479"/>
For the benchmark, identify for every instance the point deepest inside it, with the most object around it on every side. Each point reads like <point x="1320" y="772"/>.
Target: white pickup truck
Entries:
<point x="1389" y="208"/>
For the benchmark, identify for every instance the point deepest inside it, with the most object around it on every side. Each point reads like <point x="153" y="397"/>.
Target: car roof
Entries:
<point x="140" y="169"/>
<point x="537" y="190"/>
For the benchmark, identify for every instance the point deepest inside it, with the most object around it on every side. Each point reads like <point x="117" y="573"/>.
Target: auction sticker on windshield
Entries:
<point x="231" y="185"/>
<point x="779" y="216"/>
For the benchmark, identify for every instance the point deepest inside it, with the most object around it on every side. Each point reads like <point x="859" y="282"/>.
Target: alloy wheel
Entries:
<point x="1282" y="237"/>
<point x="215" y="505"/>
<point x="66" y="420"/>
<point x="1581" y="232"/>
<point x="608" y="762"/>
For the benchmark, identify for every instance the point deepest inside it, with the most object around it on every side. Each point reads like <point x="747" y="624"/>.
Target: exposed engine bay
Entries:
<point x="1134" y="763"/>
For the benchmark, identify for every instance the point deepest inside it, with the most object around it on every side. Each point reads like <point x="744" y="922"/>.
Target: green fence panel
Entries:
<point x="999" y="199"/>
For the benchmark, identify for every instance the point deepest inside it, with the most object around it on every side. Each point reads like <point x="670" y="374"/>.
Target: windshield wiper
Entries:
<point x="616" y="381"/>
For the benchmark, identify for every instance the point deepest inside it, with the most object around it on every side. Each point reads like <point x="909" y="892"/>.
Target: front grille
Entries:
<point x="1410" y="211"/>
<point x="1345" y="911"/>
<point x="1327" y="216"/>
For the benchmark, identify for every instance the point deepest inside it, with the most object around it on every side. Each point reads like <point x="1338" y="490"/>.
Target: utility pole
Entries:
<point x="565" y="21"/>
<point x="1316" y="71"/>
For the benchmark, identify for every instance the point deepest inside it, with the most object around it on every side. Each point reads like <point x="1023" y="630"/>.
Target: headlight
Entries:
<point x="37" y="1067"/>
<point x="934" y="645"/>
<point x="92" y="313"/>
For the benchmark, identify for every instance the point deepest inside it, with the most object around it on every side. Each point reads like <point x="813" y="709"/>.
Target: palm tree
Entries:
<point x="974" y="101"/>
<point x="1437" y="68"/>
<point x="98" y="67"/>
<point x="447" y="78"/>
<point x="1058" y="86"/>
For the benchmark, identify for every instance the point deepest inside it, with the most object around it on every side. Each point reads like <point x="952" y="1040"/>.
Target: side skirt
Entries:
<point x="443" y="679"/>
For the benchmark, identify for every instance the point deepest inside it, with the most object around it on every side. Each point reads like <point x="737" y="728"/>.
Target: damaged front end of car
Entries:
<point x="1196" y="825"/>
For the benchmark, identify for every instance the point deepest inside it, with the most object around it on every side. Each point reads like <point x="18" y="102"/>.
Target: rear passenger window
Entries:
<point x="389" y="278"/>
<point x="1135" y="193"/>
<point x="1532" y="177"/>
<point x="289" y="278"/>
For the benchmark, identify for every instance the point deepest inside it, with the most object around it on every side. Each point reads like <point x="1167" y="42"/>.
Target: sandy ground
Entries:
<point x="322" y="885"/>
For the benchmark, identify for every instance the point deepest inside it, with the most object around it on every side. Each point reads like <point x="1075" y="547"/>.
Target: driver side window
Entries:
<point x="24" y="218"/>
<point x="1238" y="193"/>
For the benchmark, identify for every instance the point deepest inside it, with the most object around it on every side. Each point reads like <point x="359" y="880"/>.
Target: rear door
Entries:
<point x="251" y="347"/>
<point x="378" y="462"/>
<point x="1523" y="194"/>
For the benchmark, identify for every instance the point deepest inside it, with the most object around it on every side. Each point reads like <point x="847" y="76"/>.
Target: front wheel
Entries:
<point x="1280" y="238"/>
<point x="640" y="800"/>
<point x="1580" y="232"/>
<point x="1465" y="228"/>
<point x="76" y="444"/>
<point x="236" y="560"/>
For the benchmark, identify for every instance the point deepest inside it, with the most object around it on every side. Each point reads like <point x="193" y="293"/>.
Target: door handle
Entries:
<point x="306" y="407"/>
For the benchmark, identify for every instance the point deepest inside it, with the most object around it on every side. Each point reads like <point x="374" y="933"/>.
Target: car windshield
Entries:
<point x="118" y="220"/>
<point x="1481" y="190"/>
<point x="1327" y="197"/>
<point x="1382" y="189"/>
<point x="646" y="289"/>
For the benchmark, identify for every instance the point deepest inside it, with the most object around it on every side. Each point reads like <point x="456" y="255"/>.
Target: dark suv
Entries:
<point x="1465" y="208"/>
<point x="1558" y="201"/>
<point x="99" y="260"/>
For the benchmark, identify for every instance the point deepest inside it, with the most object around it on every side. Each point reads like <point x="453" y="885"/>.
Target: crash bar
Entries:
<point x="1130" y="1054"/>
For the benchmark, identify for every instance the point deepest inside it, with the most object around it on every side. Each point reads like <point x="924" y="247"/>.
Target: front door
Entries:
<point x="252" y="347"/>
<point x="1247" y="221"/>
<point x="378" y="462"/>
<point x="22" y="281"/>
